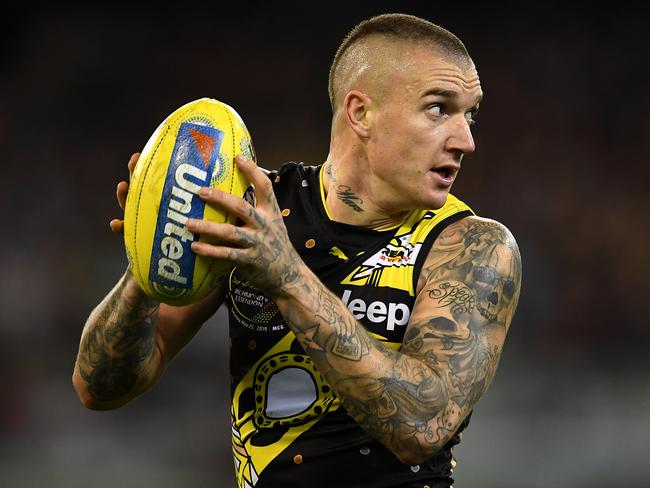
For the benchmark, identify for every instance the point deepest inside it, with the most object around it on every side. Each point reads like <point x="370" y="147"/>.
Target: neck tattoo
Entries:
<point x="347" y="196"/>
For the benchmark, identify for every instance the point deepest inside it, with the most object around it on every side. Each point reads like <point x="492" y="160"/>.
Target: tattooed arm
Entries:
<point x="129" y="338"/>
<point x="467" y="296"/>
<point x="413" y="400"/>
<point x="127" y="341"/>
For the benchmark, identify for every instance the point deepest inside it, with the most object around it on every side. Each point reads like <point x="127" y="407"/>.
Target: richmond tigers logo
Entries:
<point x="375" y="270"/>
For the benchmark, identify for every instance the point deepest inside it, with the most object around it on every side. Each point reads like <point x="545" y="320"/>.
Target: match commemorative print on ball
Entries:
<point x="194" y="147"/>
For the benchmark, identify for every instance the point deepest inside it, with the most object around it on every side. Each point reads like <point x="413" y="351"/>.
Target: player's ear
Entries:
<point x="357" y="112"/>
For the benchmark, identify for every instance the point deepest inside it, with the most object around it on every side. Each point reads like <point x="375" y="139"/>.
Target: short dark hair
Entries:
<point x="401" y="27"/>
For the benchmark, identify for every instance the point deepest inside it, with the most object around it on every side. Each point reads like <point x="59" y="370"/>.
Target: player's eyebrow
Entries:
<point x="449" y="94"/>
<point x="441" y="93"/>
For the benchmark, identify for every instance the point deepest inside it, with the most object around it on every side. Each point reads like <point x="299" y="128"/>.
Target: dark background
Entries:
<point x="562" y="144"/>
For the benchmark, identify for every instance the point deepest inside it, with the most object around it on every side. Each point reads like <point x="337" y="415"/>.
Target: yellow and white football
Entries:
<point x="194" y="146"/>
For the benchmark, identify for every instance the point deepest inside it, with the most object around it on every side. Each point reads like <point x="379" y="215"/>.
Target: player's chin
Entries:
<point x="435" y="190"/>
<point x="437" y="199"/>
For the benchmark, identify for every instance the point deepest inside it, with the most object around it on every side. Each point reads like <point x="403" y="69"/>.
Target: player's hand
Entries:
<point x="260" y="246"/>
<point x="117" y="225"/>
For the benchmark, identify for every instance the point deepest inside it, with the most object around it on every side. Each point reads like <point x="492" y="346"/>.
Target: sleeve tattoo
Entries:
<point x="414" y="399"/>
<point x="118" y="344"/>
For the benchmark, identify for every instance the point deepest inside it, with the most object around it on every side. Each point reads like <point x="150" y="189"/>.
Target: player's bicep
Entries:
<point x="441" y="334"/>
<point x="465" y="306"/>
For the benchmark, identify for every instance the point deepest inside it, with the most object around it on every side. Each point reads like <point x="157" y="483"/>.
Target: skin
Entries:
<point x="399" y="131"/>
<point x="394" y="148"/>
<point x="128" y="328"/>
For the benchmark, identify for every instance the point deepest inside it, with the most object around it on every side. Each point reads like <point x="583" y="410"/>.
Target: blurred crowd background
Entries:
<point x="563" y="139"/>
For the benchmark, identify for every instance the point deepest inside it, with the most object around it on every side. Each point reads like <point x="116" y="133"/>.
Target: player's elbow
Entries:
<point x="88" y="400"/>
<point x="411" y="458"/>
<point x="93" y="404"/>
<point x="414" y="456"/>
<point x="419" y="449"/>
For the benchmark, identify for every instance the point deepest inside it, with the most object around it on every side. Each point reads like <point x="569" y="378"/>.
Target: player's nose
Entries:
<point x="460" y="139"/>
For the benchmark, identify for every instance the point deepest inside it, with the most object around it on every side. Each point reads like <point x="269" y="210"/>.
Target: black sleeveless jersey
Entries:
<point x="288" y="427"/>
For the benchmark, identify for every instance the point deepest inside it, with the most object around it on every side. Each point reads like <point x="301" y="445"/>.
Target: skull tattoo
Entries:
<point x="492" y="274"/>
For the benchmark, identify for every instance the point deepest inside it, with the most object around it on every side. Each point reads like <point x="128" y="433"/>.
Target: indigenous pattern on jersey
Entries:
<point x="288" y="426"/>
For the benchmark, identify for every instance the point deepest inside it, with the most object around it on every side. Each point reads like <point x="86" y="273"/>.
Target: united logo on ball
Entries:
<point x="195" y="146"/>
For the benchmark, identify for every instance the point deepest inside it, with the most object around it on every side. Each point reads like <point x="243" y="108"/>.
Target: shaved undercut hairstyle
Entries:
<point x="398" y="27"/>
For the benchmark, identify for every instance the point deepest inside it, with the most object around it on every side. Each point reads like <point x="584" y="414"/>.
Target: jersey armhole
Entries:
<point x="430" y="239"/>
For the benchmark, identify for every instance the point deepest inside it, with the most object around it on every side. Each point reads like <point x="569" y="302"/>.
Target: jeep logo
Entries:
<point x="393" y="313"/>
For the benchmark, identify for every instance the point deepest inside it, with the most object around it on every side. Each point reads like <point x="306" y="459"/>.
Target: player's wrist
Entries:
<point x="132" y="291"/>
<point x="298" y="290"/>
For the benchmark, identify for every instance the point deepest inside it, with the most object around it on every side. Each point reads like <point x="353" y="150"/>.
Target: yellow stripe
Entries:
<point x="322" y="191"/>
<point x="391" y="227"/>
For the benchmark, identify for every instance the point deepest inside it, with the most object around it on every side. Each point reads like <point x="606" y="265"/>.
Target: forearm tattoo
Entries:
<point x="396" y="409"/>
<point x="118" y="341"/>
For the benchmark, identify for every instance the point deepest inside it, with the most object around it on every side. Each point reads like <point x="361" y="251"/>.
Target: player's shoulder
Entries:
<point x="468" y="244"/>
<point x="472" y="228"/>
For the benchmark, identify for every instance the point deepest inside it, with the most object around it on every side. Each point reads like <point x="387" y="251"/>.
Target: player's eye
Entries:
<point x="470" y="116"/>
<point x="437" y="109"/>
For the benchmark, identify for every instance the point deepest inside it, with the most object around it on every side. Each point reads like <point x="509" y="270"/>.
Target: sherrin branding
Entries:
<point x="194" y="147"/>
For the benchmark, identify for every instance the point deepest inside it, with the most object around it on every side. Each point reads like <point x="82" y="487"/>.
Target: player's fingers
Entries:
<point x="121" y="192"/>
<point x="117" y="226"/>
<point x="222" y="232"/>
<point x="232" y="204"/>
<point x="218" y="252"/>
<point x="132" y="161"/>
<point x="261" y="182"/>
